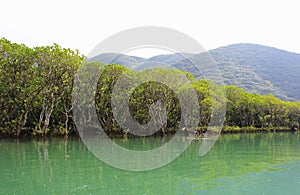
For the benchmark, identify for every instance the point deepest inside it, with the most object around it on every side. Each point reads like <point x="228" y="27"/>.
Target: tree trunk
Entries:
<point x="21" y="124"/>
<point x="48" y="112"/>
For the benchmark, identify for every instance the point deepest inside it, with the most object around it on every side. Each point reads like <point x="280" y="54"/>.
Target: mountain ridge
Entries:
<point x="256" y="68"/>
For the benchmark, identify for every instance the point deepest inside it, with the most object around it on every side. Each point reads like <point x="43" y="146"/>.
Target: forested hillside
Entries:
<point x="255" y="68"/>
<point x="260" y="69"/>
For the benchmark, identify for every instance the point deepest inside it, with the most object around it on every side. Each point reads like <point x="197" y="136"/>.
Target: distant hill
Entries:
<point x="260" y="69"/>
<point x="256" y="68"/>
<point x="122" y="59"/>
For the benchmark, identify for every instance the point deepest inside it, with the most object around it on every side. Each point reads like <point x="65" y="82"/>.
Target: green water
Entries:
<point x="237" y="164"/>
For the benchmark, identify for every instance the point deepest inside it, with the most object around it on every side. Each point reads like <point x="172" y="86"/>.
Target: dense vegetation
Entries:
<point x="36" y="87"/>
<point x="36" y="96"/>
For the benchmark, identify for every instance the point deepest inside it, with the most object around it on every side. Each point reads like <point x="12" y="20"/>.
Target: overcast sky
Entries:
<point x="83" y="24"/>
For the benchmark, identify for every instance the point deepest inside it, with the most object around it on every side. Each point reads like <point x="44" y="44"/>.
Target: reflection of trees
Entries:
<point x="235" y="155"/>
<point x="42" y="164"/>
<point x="45" y="163"/>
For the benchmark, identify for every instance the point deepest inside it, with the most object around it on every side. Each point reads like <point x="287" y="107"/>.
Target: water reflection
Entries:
<point x="61" y="166"/>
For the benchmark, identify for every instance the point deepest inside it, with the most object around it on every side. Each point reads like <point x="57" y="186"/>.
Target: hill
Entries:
<point x="256" y="68"/>
<point x="260" y="69"/>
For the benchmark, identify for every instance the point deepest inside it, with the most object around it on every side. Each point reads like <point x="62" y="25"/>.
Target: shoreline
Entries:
<point x="120" y="134"/>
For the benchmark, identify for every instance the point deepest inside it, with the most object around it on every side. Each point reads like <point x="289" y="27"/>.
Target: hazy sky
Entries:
<point x="83" y="24"/>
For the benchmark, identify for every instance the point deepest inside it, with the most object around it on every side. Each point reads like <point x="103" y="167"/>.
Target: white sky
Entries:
<point x="83" y="24"/>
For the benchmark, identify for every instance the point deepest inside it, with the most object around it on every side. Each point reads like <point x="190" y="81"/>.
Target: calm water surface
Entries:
<point x="237" y="164"/>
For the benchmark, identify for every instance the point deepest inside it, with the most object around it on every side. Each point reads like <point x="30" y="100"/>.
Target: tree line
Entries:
<point x="36" y="96"/>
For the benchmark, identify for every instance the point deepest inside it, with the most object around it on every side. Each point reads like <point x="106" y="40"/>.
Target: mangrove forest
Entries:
<point x="36" y="96"/>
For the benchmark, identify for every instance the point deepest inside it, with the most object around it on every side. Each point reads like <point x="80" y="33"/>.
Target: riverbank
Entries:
<point x="121" y="134"/>
<point x="251" y="129"/>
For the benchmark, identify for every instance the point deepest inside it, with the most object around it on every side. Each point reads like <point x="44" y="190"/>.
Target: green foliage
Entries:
<point x="36" y="87"/>
<point x="17" y="73"/>
<point x="261" y="112"/>
<point x="105" y="86"/>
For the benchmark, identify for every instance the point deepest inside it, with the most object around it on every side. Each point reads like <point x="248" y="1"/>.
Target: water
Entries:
<point x="237" y="164"/>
